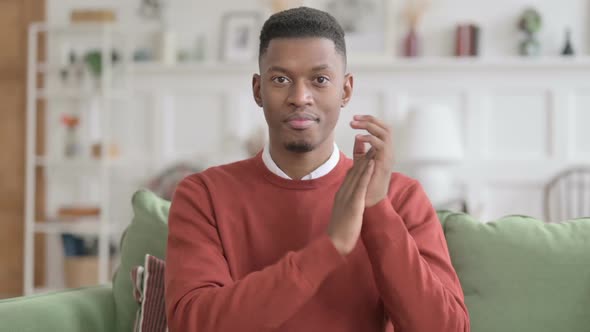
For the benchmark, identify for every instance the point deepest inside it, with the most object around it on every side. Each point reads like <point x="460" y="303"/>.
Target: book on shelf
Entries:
<point x="467" y="38"/>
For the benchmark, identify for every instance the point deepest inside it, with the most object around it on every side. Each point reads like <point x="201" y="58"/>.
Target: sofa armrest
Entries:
<point x="89" y="309"/>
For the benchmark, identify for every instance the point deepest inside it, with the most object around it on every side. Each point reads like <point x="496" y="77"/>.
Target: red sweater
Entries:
<point x="248" y="251"/>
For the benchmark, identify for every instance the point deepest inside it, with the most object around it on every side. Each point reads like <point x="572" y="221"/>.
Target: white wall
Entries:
<point x="497" y="18"/>
<point x="423" y="83"/>
<point x="519" y="126"/>
<point x="513" y="102"/>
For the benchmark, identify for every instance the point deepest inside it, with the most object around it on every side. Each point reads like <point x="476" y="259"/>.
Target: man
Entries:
<point x="301" y="238"/>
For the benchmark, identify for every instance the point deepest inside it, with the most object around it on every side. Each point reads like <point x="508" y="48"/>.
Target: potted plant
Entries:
<point x="530" y="23"/>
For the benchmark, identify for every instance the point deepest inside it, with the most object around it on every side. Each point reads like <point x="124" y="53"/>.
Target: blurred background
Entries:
<point x="489" y="104"/>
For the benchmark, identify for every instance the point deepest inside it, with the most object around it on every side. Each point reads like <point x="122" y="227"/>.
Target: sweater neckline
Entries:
<point x="335" y="174"/>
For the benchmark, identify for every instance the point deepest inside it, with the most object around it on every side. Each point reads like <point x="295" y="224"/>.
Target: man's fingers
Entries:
<point x="371" y="153"/>
<point x="353" y="175"/>
<point x="370" y="118"/>
<point x="372" y="128"/>
<point x="363" y="183"/>
<point x="363" y="165"/>
<point x="350" y="179"/>
<point x="356" y="173"/>
<point x="376" y="143"/>
<point x="359" y="148"/>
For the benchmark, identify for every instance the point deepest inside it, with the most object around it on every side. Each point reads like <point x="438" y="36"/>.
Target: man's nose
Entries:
<point x="300" y="94"/>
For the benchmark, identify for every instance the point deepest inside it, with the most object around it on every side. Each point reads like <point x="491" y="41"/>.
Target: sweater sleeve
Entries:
<point x="202" y="295"/>
<point x="411" y="265"/>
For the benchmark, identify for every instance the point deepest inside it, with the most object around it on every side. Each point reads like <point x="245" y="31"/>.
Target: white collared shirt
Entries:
<point x="322" y="170"/>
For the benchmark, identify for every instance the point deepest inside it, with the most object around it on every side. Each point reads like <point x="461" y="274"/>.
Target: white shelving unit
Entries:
<point x="53" y="162"/>
<point x="385" y="64"/>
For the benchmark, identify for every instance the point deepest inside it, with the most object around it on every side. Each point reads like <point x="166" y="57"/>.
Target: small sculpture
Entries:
<point x="568" y="49"/>
<point x="152" y="9"/>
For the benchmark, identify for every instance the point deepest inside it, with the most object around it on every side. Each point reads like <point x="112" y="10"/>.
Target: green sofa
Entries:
<point x="517" y="273"/>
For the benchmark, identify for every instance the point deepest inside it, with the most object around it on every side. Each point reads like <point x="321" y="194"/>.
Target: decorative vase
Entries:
<point x="530" y="23"/>
<point x="411" y="43"/>
<point x="166" y="40"/>
<point x="72" y="144"/>
<point x="530" y="46"/>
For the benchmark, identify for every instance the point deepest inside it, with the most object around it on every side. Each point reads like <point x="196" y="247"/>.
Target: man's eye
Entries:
<point x="322" y="79"/>
<point x="280" y="80"/>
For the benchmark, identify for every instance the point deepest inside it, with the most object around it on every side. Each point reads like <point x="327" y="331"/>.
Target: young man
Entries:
<point x="301" y="238"/>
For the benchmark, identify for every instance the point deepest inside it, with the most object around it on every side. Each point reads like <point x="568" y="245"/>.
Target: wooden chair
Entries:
<point x="567" y="195"/>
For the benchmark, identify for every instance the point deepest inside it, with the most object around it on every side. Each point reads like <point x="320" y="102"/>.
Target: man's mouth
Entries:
<point x="301" y="122"/>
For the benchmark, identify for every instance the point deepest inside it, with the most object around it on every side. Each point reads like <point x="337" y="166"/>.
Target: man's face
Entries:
<point x="301" y="88"/>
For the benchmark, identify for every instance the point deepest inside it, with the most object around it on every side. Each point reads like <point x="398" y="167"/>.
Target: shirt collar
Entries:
<point x="322" y="170"/>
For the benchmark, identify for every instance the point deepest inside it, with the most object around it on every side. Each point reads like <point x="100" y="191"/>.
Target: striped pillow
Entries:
<point x="148" y="290"/>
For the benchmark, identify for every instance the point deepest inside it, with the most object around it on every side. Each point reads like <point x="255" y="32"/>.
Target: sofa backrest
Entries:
<point x="147" y="234"/>
<point x="517" y="273"/>
<point x="521" y="274"/>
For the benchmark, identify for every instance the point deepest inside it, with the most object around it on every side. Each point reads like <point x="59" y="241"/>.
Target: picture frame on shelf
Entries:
<point x="239" y="36"/>
<point x="368" y="26"/>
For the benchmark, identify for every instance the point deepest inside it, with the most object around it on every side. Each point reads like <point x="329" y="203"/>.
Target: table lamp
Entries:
<point x="433" y="144"/>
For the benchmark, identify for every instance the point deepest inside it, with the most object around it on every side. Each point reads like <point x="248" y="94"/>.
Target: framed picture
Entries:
<point x="239" y="36"/>
<point x="367" y="24"/>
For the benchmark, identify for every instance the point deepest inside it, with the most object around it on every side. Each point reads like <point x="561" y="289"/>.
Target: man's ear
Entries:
<point x="256" y="89"/>
<point x="347" y="89"/>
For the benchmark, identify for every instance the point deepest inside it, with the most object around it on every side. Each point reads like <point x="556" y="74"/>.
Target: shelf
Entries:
<point x="508" y="62"/>
<point x="108" y="90"/>
<point x="87" y="162"/>
<point x="82" y="226"/>
<point x="77" y="94"/>
<point x="44" y="68"/>
<point x="83" y="28"/>
<point x="75" y="227"/>
<point x="110" y="27"/>
<point x="382" y="63"/>
<point x="153" y="67"/>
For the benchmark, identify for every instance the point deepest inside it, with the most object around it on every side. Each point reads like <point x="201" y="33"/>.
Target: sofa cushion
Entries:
<point x="148" y="281"/>
<point x="520" y="274"/>
<point x="147" y="234"/>
<point x="88" y="309"/>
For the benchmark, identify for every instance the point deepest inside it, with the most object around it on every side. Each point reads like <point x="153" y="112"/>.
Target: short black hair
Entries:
<point x="299" y="23"/>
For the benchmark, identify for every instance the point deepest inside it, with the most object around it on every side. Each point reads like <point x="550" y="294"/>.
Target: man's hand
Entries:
<point x="379" y="138"/>
<point x="349" y="204"/>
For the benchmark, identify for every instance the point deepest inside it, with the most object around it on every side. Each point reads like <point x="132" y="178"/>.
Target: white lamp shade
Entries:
<point x="433" y="134"/>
